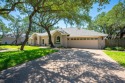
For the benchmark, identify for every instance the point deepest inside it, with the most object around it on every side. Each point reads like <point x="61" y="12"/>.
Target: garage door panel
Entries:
<point x="83" y="43"/>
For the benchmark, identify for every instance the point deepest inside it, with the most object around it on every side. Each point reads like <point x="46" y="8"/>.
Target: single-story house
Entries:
<point x="70" y="37"/>
<point x="9" y="39"/>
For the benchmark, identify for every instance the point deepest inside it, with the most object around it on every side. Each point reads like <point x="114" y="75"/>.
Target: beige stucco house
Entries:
<point x="70" y="37"/>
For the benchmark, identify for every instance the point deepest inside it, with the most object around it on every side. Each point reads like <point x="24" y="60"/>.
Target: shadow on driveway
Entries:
<point x="65" y="66"/>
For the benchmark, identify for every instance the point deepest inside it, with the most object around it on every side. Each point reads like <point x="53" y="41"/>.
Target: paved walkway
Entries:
<point x="67" y="66"/>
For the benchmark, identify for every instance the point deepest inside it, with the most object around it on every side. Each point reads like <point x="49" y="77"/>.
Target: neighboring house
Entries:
<point x="70" y="37"/>
<point x="8" y="39"/>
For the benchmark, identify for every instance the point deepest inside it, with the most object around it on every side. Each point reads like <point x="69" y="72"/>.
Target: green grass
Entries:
<point x="13" y="58"/>
<point x="118" y="56"/>
<point x="2" y="48"/>
<point x="14" y="47"/>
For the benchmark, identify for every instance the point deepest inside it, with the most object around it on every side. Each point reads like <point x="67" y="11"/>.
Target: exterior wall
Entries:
<point x="46" y="42"/>
<point x="37" y="41"/>
<point x="64" y="40"/>
<point x="30" y="41"/>
<point x="33" y="40"/>
<point x="101" y="42"/>
<point x="9" y="40"/>
<point x="83" y="43"/>
<point x="55" y="35"/>
<point x="90" y="42"/>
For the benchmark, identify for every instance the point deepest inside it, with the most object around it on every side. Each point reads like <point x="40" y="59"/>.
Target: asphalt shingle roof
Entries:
<point x="82" y="32"/>
<point x="74" y="32"/>
<point x="45" y="34"/>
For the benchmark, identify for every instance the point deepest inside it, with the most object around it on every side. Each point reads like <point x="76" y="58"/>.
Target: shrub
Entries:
<point x="119" y="48"/>
<point x="108" y="48"/>
<point x="60" y="47"/>
<point x="115" y="48"/>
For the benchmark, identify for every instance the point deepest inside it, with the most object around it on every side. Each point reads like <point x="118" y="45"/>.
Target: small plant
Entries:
<point x="108" y="48"/>
<point x="119" y="48"/>
<point x="115" y="48"/>
<point x="60" y="47"/>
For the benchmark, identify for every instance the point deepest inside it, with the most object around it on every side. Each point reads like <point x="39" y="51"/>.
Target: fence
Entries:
<point x="115" y="42"/>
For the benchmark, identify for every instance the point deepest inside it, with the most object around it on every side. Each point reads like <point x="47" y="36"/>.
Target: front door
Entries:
<point x="43" y="41"/>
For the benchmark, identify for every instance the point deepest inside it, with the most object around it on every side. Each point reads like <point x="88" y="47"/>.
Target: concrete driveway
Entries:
<point x="67" y="66"/>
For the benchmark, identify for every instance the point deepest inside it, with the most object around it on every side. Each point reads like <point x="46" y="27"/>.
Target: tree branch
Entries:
<point x="6" y="11"/>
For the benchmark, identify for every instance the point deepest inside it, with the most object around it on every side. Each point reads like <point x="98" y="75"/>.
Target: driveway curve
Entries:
<point x="67" y="66"/>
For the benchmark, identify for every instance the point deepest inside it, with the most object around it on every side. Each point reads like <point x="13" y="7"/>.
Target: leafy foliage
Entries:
<point x="112" y="22"/>
<point x="73" y="12"/>
<point x="3" y="29"/>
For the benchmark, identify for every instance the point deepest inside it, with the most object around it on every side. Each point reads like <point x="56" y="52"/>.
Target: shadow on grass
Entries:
<point x="9" y="59"/>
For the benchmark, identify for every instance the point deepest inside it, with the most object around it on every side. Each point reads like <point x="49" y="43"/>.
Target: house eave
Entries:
<point x="85" y="36"/>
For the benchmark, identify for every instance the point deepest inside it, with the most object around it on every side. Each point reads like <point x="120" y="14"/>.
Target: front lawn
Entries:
<point x="13" y="58"/>
<point x="118" y="56"/>
<point x="14" y="47"/>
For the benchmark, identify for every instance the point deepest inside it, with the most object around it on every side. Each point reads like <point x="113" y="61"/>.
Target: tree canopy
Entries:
<point x="112" y="22"/>
<point x="72" y="11"/>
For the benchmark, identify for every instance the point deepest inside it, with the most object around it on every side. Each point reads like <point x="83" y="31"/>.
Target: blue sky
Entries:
<point x="93" y="12"/>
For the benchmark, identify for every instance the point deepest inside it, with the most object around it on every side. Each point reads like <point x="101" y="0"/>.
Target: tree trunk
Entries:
<point x="28" y="31"/>
<point x="50" y="38"/>
<point x="122" y="32"/>
<point x="15" y="41"/>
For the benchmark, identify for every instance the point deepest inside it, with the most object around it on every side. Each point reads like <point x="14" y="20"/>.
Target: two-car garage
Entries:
<point x="90" y="43"/>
